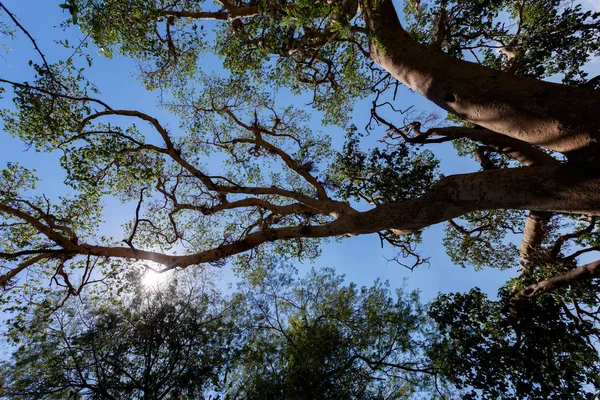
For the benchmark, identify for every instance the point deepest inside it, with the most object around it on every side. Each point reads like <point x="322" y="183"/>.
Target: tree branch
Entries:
<point x="555" y="188"/>
<point x="561" y="240"/>
<point x="535" y="228"/>
<point x="558" y="117"/>
<point x="530" y="292"/>
<point x="523" y="152"/>
<point x="231" y="14"/>
<point x="4" y="279"/>
<point x="55" y="94"/>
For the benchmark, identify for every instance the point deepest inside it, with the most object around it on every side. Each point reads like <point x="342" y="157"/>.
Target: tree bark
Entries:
<point x="533" y="234"/>
<point x="525" y="153"/>
<point x="558" y="117"/>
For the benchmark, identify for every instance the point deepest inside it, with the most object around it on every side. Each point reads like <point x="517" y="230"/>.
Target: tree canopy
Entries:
<point x="278" y="338"/>
<point x="246" y="179"/>
<point x="153" y="344"/>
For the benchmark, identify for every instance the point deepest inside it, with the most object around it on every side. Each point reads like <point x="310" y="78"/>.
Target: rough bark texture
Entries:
<point x="558" y="117"/>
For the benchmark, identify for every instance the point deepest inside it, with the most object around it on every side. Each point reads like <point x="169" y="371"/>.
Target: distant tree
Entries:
<point x="278" y="338"/>
<point x="169" y="343"/>
<point x="318" y="338"/>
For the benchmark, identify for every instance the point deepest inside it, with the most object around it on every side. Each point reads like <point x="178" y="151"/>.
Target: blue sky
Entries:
<point x="361" y="258"/>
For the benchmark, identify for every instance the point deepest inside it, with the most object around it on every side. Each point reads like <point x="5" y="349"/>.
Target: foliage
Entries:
<point x="165" y="342"/>
<point x="141" y="30"/>
<point x="533" y="38"/>
<point x="317" y="337"/>
<point x="243" y="177"/>
<point x="381" y="176"/>
<point x="482" y="241"/>
<point x="277" y="337"/>
<point x="540" y="354"/>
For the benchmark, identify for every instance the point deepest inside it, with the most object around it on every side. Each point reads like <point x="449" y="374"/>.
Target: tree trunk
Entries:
<point x="558" y="117"/>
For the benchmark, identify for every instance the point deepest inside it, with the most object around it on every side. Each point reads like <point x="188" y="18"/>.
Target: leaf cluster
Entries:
<point x="493" y="354"/>
<point x="381" y="175"/>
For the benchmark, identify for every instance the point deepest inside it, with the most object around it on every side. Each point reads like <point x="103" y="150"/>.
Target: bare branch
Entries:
<point x="26" y="32"/>
<point x="561" y="240"/>
<point x="4" y="279"/>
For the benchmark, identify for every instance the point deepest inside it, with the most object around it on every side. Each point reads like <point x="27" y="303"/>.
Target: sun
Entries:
<point x="152" y="278"/>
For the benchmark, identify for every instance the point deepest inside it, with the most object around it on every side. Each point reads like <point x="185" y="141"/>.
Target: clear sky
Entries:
<point x="361" y="258"/>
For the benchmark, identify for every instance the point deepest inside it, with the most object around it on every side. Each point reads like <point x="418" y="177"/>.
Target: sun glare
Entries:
<point x="152" y="279"/>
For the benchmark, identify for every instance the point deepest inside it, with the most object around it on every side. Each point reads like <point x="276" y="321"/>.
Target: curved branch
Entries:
<point x="51" y="232"/>
<point x="137" y="114"/>
<point x="561" y="240"/>
<point x="326" y="206"/>
<point x="578" y="253"/>
<point x="231" y="14"/>
<point x="585" y="272"/>
<point x="556" y="188"/>
<point x="24" y="265"/>
<point x="523" y="152"/>
<point x="527" y="155"/>
<point x="289" y="161"/>
<point x="296" y="208"/>
<point x="558" y="117"/>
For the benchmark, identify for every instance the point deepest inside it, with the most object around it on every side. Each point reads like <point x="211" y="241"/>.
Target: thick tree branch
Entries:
<point x="527" y="155"/>
<point x="578" y="253"/>
<point x="51" y="233"/>
<point x="554" y="188"/>
<point x="376" y="364"/>
<point x="558" y="117"/>
<point x="523" y="152"/>
<point x="535" y="228"/>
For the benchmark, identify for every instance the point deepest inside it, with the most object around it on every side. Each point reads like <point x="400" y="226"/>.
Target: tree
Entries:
<point x="149" y="343"/>
<point x="542" y="354"/>
<point x="276" y="337"/>
<point x="281" y="187"/>
<point x="318" y="338"/>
